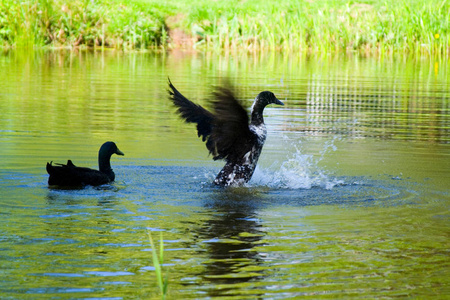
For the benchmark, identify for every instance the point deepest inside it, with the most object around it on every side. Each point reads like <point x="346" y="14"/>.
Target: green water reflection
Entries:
<point x="350" y="199"/>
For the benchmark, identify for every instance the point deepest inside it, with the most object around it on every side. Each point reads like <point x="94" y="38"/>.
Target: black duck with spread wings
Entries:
<point x="69" y="175"/>
<point x="227" y="132"/>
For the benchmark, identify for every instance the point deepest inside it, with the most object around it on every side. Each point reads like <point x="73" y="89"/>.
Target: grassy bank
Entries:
<point x="58" y="23"/>
<point x="324" y="26"/>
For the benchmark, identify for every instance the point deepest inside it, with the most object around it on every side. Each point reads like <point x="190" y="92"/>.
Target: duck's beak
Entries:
<point x="118" y="152"/>
<point x="278" y="102"/>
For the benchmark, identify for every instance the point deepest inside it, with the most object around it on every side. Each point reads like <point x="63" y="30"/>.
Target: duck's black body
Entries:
<point x="227" y="132"/>
<point x="69" y="175"/>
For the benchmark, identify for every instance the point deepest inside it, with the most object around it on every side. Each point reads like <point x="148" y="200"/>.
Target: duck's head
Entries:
<point x="263" y="99"/>
<point x="266" y="98"/>
<point x="108" y="149"/>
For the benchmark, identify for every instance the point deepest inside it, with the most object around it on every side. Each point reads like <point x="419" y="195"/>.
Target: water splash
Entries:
<point x="298" y="171"/>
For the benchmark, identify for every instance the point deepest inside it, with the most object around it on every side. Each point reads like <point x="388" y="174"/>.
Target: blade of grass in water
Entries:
<point x="157" y="264"/>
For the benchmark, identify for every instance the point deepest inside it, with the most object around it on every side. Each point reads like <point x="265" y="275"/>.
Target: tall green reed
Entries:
<point x="158" y="261"/>
<point x="410" y="26"/>
<point x="389" y="26"/>
<point x="59" y="23"/>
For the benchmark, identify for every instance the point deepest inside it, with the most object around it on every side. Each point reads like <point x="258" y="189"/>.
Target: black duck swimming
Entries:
<point x="227" y="131"/>
<point x="69" y="175"/>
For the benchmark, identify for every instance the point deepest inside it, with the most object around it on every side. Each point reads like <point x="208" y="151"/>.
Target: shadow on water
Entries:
<point x="230" y="237"/>
<point x="233" y="238"/>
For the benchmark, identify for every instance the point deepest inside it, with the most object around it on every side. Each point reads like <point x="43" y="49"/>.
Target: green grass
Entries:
<point x="88" y="23"/>
<point x="414" y="26"/>
<point x="157" y="264"/>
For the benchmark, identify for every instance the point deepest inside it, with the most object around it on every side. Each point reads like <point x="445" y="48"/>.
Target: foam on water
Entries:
<point x="298" y="171"/>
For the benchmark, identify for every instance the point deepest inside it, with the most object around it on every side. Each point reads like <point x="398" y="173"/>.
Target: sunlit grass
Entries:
<point x="372" y="26"/>
<point x="58" y="23"/>
<point x="163" y="283"/>
<point x="325" y="26"/>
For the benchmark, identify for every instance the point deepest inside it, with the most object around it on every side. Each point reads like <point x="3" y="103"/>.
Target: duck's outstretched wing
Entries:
<point x="192" y="113"/>
<point x="231" y="136"/>
<point x="226" y="132"/>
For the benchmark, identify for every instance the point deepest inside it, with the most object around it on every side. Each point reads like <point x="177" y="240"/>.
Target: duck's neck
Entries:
<point x="104" y="165"/>
<point x="257" y="114"/>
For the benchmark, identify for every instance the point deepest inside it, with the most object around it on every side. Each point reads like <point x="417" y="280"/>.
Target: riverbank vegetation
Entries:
<point x="372" y="26"/>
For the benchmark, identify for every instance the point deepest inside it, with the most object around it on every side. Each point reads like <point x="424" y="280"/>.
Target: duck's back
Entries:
<point x="70" y="175"/>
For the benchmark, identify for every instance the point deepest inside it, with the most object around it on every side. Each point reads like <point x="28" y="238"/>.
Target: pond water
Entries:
<point x="350" y="198"/>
